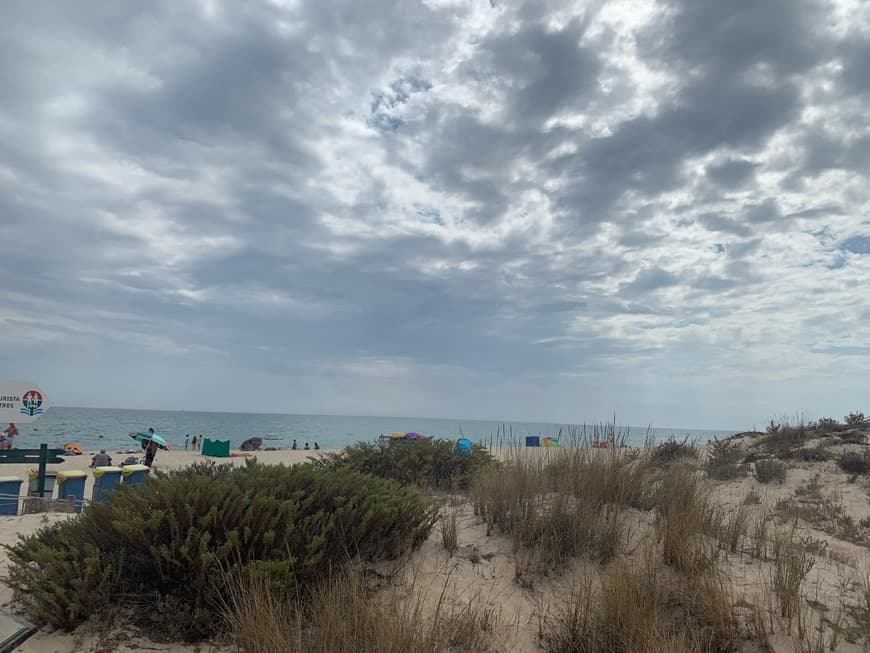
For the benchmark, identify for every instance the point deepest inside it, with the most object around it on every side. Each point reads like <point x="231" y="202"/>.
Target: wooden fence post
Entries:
<point x="43" y="459"/>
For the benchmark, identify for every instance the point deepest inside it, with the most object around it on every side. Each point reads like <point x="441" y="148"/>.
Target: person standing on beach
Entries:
<point x="150" y="452"/>
<point x="307" y="447"/>
<point x="316" y="447"/>
<point x="193" y="443"/>
<point x="295" y="446"/>
<point x="187" y="441"/>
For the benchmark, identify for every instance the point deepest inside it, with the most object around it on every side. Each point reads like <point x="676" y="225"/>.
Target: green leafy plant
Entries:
<point x="166" y="547"/>
<point x="672" y="449"/>
<point x="430" y="463"/>
<point x="724" y="459"/>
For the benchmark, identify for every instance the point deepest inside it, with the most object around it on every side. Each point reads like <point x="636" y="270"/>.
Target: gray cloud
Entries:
<point x="511" y="211"/>
<point x="731" y="173"/>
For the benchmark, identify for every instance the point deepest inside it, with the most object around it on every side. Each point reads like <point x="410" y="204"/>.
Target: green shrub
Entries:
<point x="768" y="471"/>
<point x="785" y="438"/>
<point x="430" y="463"/>
<point x="166" y="547"/>
<point x="672" y="449"/>
<point x="826" y="425"/>
<point x="854" y="463"/>
<point x="854" y="419"/>
<point x="724" y="460"/>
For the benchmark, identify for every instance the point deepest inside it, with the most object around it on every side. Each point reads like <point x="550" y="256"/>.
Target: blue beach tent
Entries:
<point x="463" y="447"/>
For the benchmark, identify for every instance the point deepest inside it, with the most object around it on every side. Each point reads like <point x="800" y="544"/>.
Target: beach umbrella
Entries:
<point x="251" y="444"/>
<point x="150" y="437"/>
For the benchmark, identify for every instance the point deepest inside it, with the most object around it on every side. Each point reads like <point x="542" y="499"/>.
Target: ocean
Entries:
<point x="96" y="428"/>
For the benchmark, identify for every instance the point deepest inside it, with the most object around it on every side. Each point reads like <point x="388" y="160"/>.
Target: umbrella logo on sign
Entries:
<point x="32" y="401"/>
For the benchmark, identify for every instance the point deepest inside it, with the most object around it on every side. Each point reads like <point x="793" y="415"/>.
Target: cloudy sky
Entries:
<point x="480" y="209"/>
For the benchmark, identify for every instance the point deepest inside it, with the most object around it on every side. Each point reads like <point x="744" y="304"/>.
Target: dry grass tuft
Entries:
<point x="563" y="505"/>
<point x="643" y="609"/>
<point x="344" y="616"/>
<point x="791" y="564"/>
<point x="686" y="520"/>
<point x="449" y="531"/>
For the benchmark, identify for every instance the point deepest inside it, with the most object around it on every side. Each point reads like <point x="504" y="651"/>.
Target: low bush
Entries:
<point x="724" y="460"/>
<point x="166" y="547"/>
<point x="429" y="463"/>
<point x="827" y="425"/>
<point x="672" y="450"/>
<point x="854" y="463"/>
<point x="784" y="436"/>
<point x="854" y="419"/>
<point x="770" y="471"/>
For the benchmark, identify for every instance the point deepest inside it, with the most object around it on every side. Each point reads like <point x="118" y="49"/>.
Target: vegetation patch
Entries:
<point x="672" y="450"/>
<point x="725" y="460"/>
<point x="807" y="455"/>
<point x="825" y="512"/>
<point x="167" y="547"/>
<point x="770" y="471"/>
<point x="427" y="463"/>
<point x="644" y="609"/>
<point x="342" y="614"/>
<point x="783" y="437"/>
<point x="852" y="462"/>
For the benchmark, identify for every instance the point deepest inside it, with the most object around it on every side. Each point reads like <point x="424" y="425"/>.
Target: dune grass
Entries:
<point x="344" y="615"/>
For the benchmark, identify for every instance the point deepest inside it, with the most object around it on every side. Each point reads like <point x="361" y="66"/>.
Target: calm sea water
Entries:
<point x="109" y="428"/>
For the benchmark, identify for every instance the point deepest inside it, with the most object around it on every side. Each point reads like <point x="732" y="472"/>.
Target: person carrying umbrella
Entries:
<point x="150" y="452"/>
<point x="150" y="443"/>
